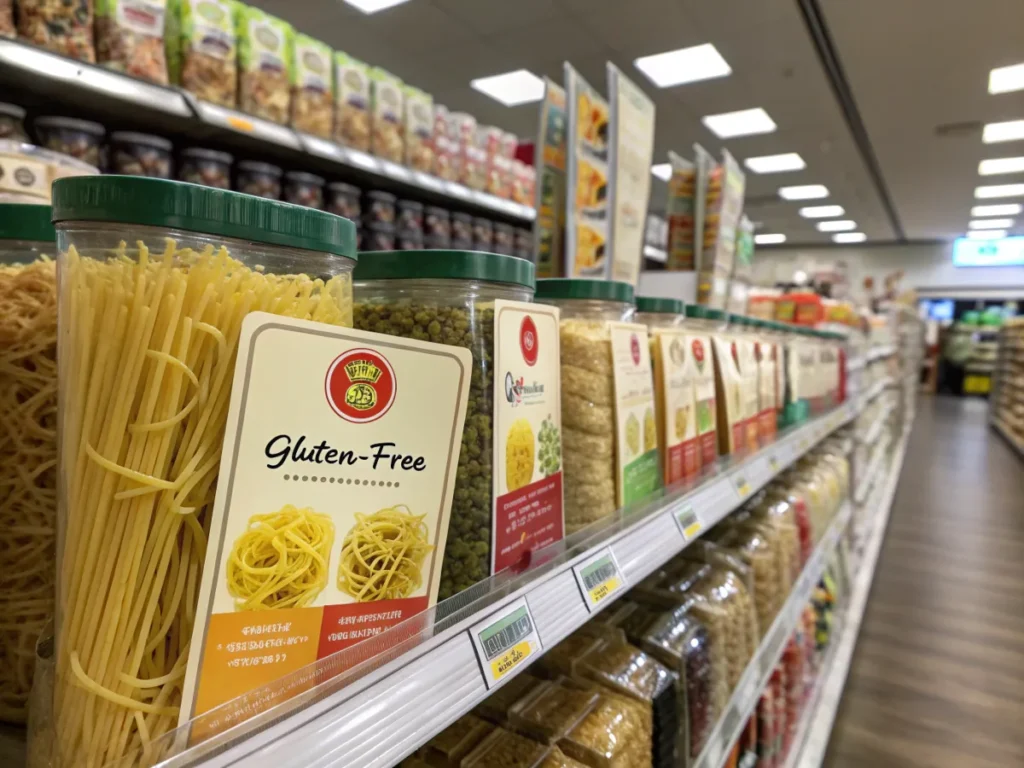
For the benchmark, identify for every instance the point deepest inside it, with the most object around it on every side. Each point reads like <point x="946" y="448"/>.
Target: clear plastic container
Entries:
<point x="12" y="122"/>
<point x="343" y="200"/>
<point x="558" y="759"/>
<point x="588" y="391"/>
<point x="760" y="547"/>
<point x="552" y="710"/>
<point x="504" y="749"/>
<point x="562" y="659"/>
<point x="448" y="297"/>
<point x="618" y="733"/>
<point x="496" y="706"/>
<point x="657" y="312"/>
<point x="301" y="188"/>
<point x="259" y="179"/>
<point x="28" y="444"/>
<point x="155" y="279"/>
<point x="205" y="166"/>
<point x="447" y="749"/>
<point x="80" y="139"/>
<point x="139" y="154"/>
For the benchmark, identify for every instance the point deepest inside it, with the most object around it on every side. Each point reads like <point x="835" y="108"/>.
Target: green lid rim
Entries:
<point x="171" y="204"/>
<point x="443" y="264"/>
<point x="584" y="288"/>
<point x="710" y="313"/>
<point x="21" y="221"/>
<point x="660" y="305"/>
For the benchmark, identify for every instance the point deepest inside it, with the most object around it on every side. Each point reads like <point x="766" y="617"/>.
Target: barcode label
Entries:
<point x="505" y="641"/>
<point x="599" y="578"/>
<point x="688" y="522"/>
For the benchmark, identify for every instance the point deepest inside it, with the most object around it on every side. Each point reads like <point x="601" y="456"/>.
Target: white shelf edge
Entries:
<point x="382" y="717"/>
<point x="1015" y="442"/>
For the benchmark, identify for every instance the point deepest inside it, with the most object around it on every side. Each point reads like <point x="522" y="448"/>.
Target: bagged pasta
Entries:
<point x="62" y="26"/>
<point x="419" y="129"/>
<point x="312" y="87"/>
<point x="387" y="135"/>
<point x="264" y="42"/>
<point x="201" y="49"/>
<point x="130" y="37"/>
<point x="352" y="94"/>
<point x="6" y="18"/>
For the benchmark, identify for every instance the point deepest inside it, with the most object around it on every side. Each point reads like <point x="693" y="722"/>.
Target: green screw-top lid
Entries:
<point x="660" y="305"/>
<point x="178" y="205"/>
<point x="26" y="222"/>
<point x="444" y="265"/>
<point x="714" y="314"/>
<point x="582" y="288"/>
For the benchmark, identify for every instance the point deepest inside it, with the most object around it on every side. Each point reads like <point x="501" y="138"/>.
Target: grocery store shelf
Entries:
<point x="376" y="719"/>
<point x="875" y="430"/>
<point x="759" y="671"/>
<point x="876" y="390"/>
<point x="881" y="352"/>
<point x="874" y="470"/>
<point x="856" y="364"/>
<point x="812" y="737"/>
<point x="1015" y="442"/>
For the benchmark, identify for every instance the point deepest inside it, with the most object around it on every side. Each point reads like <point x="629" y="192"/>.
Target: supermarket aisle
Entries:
<point x="937" y="678"/>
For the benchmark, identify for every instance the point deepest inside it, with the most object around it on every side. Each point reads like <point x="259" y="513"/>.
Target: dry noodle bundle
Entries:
<point x="28" y="458"/>
<point x="147" y="353"/>
<point x="281" y="560"/>
<point x="383" y="555"/>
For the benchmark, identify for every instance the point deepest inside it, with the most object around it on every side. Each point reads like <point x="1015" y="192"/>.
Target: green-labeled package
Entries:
<point x="264" y="59"/>
<point x="387" y="113"/>
<point x="312" y="86"/>
<point x="352" y="91"/>
<point x="130" y="37"/>
<point x="419" y="129"/>
<point x="201" y="51"/>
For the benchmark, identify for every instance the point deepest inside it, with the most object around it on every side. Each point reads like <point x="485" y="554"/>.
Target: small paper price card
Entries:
<point x="741" y="484"/>
<point x="599" y="578"/>
<point x="505" y="641"/>
<point x="688" y="522"/>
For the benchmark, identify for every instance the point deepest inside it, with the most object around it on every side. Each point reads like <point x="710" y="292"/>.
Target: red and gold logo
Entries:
<point x="698" y="354"/>
<point x="529" y="343"/>
<point x="360" y="385"/>
<point x="634" y="349"/>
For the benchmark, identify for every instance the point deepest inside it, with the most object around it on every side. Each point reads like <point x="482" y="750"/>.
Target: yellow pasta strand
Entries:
<point x="147" y="350"/>
<point x="382" y="556"/>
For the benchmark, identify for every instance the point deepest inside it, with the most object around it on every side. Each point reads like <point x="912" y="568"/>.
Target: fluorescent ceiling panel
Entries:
<point x="849" y="237"/>
<point x="1006" y="79"/>
<point x="1001" y="165"/>
<point x="987" y="234"/>
<point x="789" y="161"/>
<point x="839" y="225"/>
<point x="662" y="170"/>
<point x="1005" y="209"/>
<point x="746" y="122"/>
<point x="822" y="211"/>
<point x="372" y="6"/>
<point x="511" y="88"/>
<point x="684" y="65"/>
<point x="803" y="192"/>
<point x="990" y="223"/>
<point x="1011" y="130"/>
<point x="770" y="239"/>
<point x="999" y="190"/>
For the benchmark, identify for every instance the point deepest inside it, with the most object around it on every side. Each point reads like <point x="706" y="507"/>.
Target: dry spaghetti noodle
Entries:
<point x="281" y="560"/>
<point x="382" y="556"/>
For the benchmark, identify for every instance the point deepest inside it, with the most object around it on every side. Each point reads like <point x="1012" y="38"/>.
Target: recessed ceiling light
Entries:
<point x="822" y="211"/>
<point x="772" y="239"/>
<point x="999" y="190"/>
<point x="849" y="237"/>
<point x="746" y="122"/>
<point x="1001" y="165"/>
<point x="990" y="223"/>
<point x="372" y="6"/>
<point x="511" y="88"/>
<point x="986" y="234"/>
<point x="662" y="170"/>
<point x="1005" y="209"/>
<point x="1011" y="130"/>
<point x="803" y="192"/>
<point x="684" y="65"/>
<point x="839" y="225"/>
<point x="1006" y="79"/>
<point x="790" y="161"/>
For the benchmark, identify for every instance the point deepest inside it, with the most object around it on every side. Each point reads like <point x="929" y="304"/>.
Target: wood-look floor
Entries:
<point x="937" y="679"/>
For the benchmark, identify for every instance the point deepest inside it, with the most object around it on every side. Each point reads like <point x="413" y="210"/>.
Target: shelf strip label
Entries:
<point x="599" y="578"/>
<point x="505" y="641"/>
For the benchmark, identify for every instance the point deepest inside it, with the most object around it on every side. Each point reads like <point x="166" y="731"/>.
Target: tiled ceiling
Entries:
<point x="910" y="68"/>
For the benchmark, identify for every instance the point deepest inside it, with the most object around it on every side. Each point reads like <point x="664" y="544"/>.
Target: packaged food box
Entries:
<point x="419" y="129"/>
<point x="352" y="94"/>
<point x="552" y="710"/>
<point x="62" y="27"/>
<point x="312" y="101"/>
<point x="130" y="37"/>
<point x="201" y="49"/>
<point x="387" y="116"/>
<point x="264" y="61"/>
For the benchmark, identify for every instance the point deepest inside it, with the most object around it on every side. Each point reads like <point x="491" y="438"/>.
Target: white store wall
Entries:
<point x="927" y="268"/>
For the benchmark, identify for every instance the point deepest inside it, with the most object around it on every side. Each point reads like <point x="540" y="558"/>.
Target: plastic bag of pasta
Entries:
<point x="264" y="62"/>
<point x="130" y="37"/>
<point x="388" y="135"/>
<point x="6" y="18"/>
<point x="312" y="91"/>
<point x="62" y="26"/>
<point x="352" y="91"/>
<point x="201" y="50"/>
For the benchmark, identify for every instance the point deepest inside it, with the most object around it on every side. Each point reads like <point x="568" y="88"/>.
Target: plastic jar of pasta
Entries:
<point x="448" y="297"/>
<point x="28" y="444"/>
<point x="156" y="277"/>
<point x="656" y="312"/>
<point x="588" y="391"/>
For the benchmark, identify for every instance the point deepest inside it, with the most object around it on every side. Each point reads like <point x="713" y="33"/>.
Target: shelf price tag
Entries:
<point x="599" y="578"/>
<point x="774" y="464"/>
<point x="240" y="124"/>
<point x="739" y="481"/>
<point x="505" y="641"/>
<point x="688" y="522"/>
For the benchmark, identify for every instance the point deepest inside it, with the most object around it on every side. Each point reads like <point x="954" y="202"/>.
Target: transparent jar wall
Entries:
<point x="28" y="457"/>
<point x="660" y="320"/>
<point x="459" y="313"/>
<point x="588" y="408"/>
<point x="147" y="350"/>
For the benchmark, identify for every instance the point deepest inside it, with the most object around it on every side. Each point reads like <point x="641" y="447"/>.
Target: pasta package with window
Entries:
<point x="264" y="61"/>
<point x="312" y="87"/>
<point x="28" y="444"/>
<point x="63" y="27"/>
<point x="201" y="50"/>
<point x="352" y="107"/>
<point x="419" y="129"/>
<point x="387" y="136"/>
<point x="156" y="278"/>
<point x="130" y="37"/>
